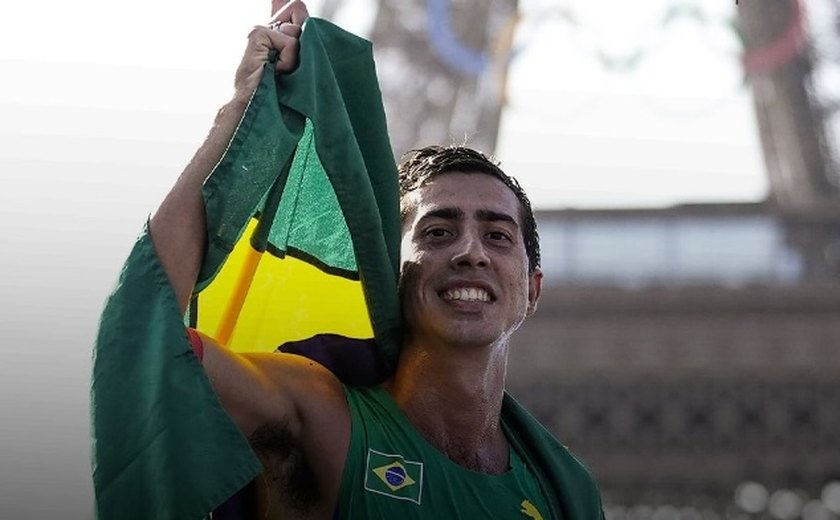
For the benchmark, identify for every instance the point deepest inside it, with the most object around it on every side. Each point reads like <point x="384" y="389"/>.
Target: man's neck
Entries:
<point x="454" y="399"/>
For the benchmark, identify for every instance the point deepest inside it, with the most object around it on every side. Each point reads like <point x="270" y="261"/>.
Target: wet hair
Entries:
<point x="418" y="167"/>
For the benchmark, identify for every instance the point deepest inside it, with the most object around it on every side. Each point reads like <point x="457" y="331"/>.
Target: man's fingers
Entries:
<point x="289" y="29"/>
<point x="286" y="24"/>
<point x="292" y="12"/>
<point x="288" y="59"/>
<point x="282" y="35"/>
<point x="287" y="45"/>
<point x="299" y="13"/>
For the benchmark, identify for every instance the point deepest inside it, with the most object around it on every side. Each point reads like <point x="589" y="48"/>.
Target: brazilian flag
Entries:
<point x="303" y="242"/>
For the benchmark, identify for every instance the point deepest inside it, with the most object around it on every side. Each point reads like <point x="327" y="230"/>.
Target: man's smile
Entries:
<point x="470" y="294"/>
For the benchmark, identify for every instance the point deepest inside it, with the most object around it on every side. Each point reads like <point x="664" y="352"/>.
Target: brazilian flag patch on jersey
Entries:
<point x="394" y="476"/>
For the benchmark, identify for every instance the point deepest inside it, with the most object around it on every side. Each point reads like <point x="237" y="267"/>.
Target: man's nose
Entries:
<point x="470" y="252"/>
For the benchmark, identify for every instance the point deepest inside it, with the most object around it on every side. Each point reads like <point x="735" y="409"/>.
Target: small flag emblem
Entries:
<point x="394" y="476"/>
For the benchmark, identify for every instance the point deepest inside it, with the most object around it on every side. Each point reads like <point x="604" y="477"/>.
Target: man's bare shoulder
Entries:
<point x="303" y="440"/>
<point x="316" y="394"/>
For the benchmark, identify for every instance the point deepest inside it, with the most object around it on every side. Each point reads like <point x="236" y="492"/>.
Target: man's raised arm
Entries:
<point x="178" y="228"/>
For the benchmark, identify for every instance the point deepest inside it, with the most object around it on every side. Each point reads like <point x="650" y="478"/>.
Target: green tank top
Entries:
<point x="391" y="472"/>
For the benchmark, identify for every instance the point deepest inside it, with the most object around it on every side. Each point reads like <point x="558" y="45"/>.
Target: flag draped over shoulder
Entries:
<point x="303" y="240"/>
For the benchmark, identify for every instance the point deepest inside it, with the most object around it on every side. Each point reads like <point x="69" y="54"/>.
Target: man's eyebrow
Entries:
<point x="484" y="215"/>
<point x="445" y="213"/>
<point x="487" y="215"/>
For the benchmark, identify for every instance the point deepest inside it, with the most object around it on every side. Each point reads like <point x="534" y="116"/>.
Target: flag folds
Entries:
<point x="303" y="241"/>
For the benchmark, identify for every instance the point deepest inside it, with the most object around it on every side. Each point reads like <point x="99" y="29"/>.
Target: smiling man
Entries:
<point x="469" y="279"/>
<point x="434" y="440"/>
<point x="468" y="283"/>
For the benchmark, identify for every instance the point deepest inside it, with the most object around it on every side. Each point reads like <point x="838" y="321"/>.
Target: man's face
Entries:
<point x="465" y="276"/>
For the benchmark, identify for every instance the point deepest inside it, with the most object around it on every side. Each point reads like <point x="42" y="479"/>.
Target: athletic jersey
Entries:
<point x="392" y="472"/>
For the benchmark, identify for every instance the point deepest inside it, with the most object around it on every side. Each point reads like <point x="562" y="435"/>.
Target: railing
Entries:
<point x="673" y="248"/>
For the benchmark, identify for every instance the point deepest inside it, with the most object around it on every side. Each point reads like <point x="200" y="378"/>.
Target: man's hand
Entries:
<point x="178" y="227"/>
<point x="281" y="34"/>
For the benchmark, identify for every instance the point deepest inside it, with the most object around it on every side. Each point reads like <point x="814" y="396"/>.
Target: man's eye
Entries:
<point x="437" y="233"/>
<point x="498" y="235"/>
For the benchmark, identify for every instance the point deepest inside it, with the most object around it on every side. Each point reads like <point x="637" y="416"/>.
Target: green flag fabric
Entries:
<point x="570" y="489"/>
<point x="306" y="191"/>
<point x="303" y="241"/>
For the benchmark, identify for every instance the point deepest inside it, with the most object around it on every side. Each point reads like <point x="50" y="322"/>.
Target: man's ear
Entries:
<point x="534" y="290"/>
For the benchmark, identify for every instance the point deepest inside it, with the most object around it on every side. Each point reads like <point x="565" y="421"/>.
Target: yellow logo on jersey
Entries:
<point x="529" y="510"/>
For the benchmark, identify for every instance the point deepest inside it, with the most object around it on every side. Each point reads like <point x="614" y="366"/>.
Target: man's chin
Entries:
<point x="470" y="334"/>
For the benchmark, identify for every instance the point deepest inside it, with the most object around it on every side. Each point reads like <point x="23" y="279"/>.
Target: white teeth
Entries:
<point x="467" y="294"/>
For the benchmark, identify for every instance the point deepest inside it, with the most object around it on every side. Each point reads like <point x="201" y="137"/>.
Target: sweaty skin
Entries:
<point x="465" y="288"/>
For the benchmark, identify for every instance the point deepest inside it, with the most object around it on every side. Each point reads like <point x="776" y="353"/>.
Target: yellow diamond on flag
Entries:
<point x="394" y="476"/>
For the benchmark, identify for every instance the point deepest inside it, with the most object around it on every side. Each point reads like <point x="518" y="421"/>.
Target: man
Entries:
<point x="470" y="276"/>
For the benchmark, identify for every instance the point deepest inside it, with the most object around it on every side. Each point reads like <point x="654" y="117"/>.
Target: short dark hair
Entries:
<point x="420" y="166"/>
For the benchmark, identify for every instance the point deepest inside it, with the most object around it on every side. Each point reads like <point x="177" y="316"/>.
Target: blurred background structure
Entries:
<point x="690" y="354"/>
<point x="442" y="68"/>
